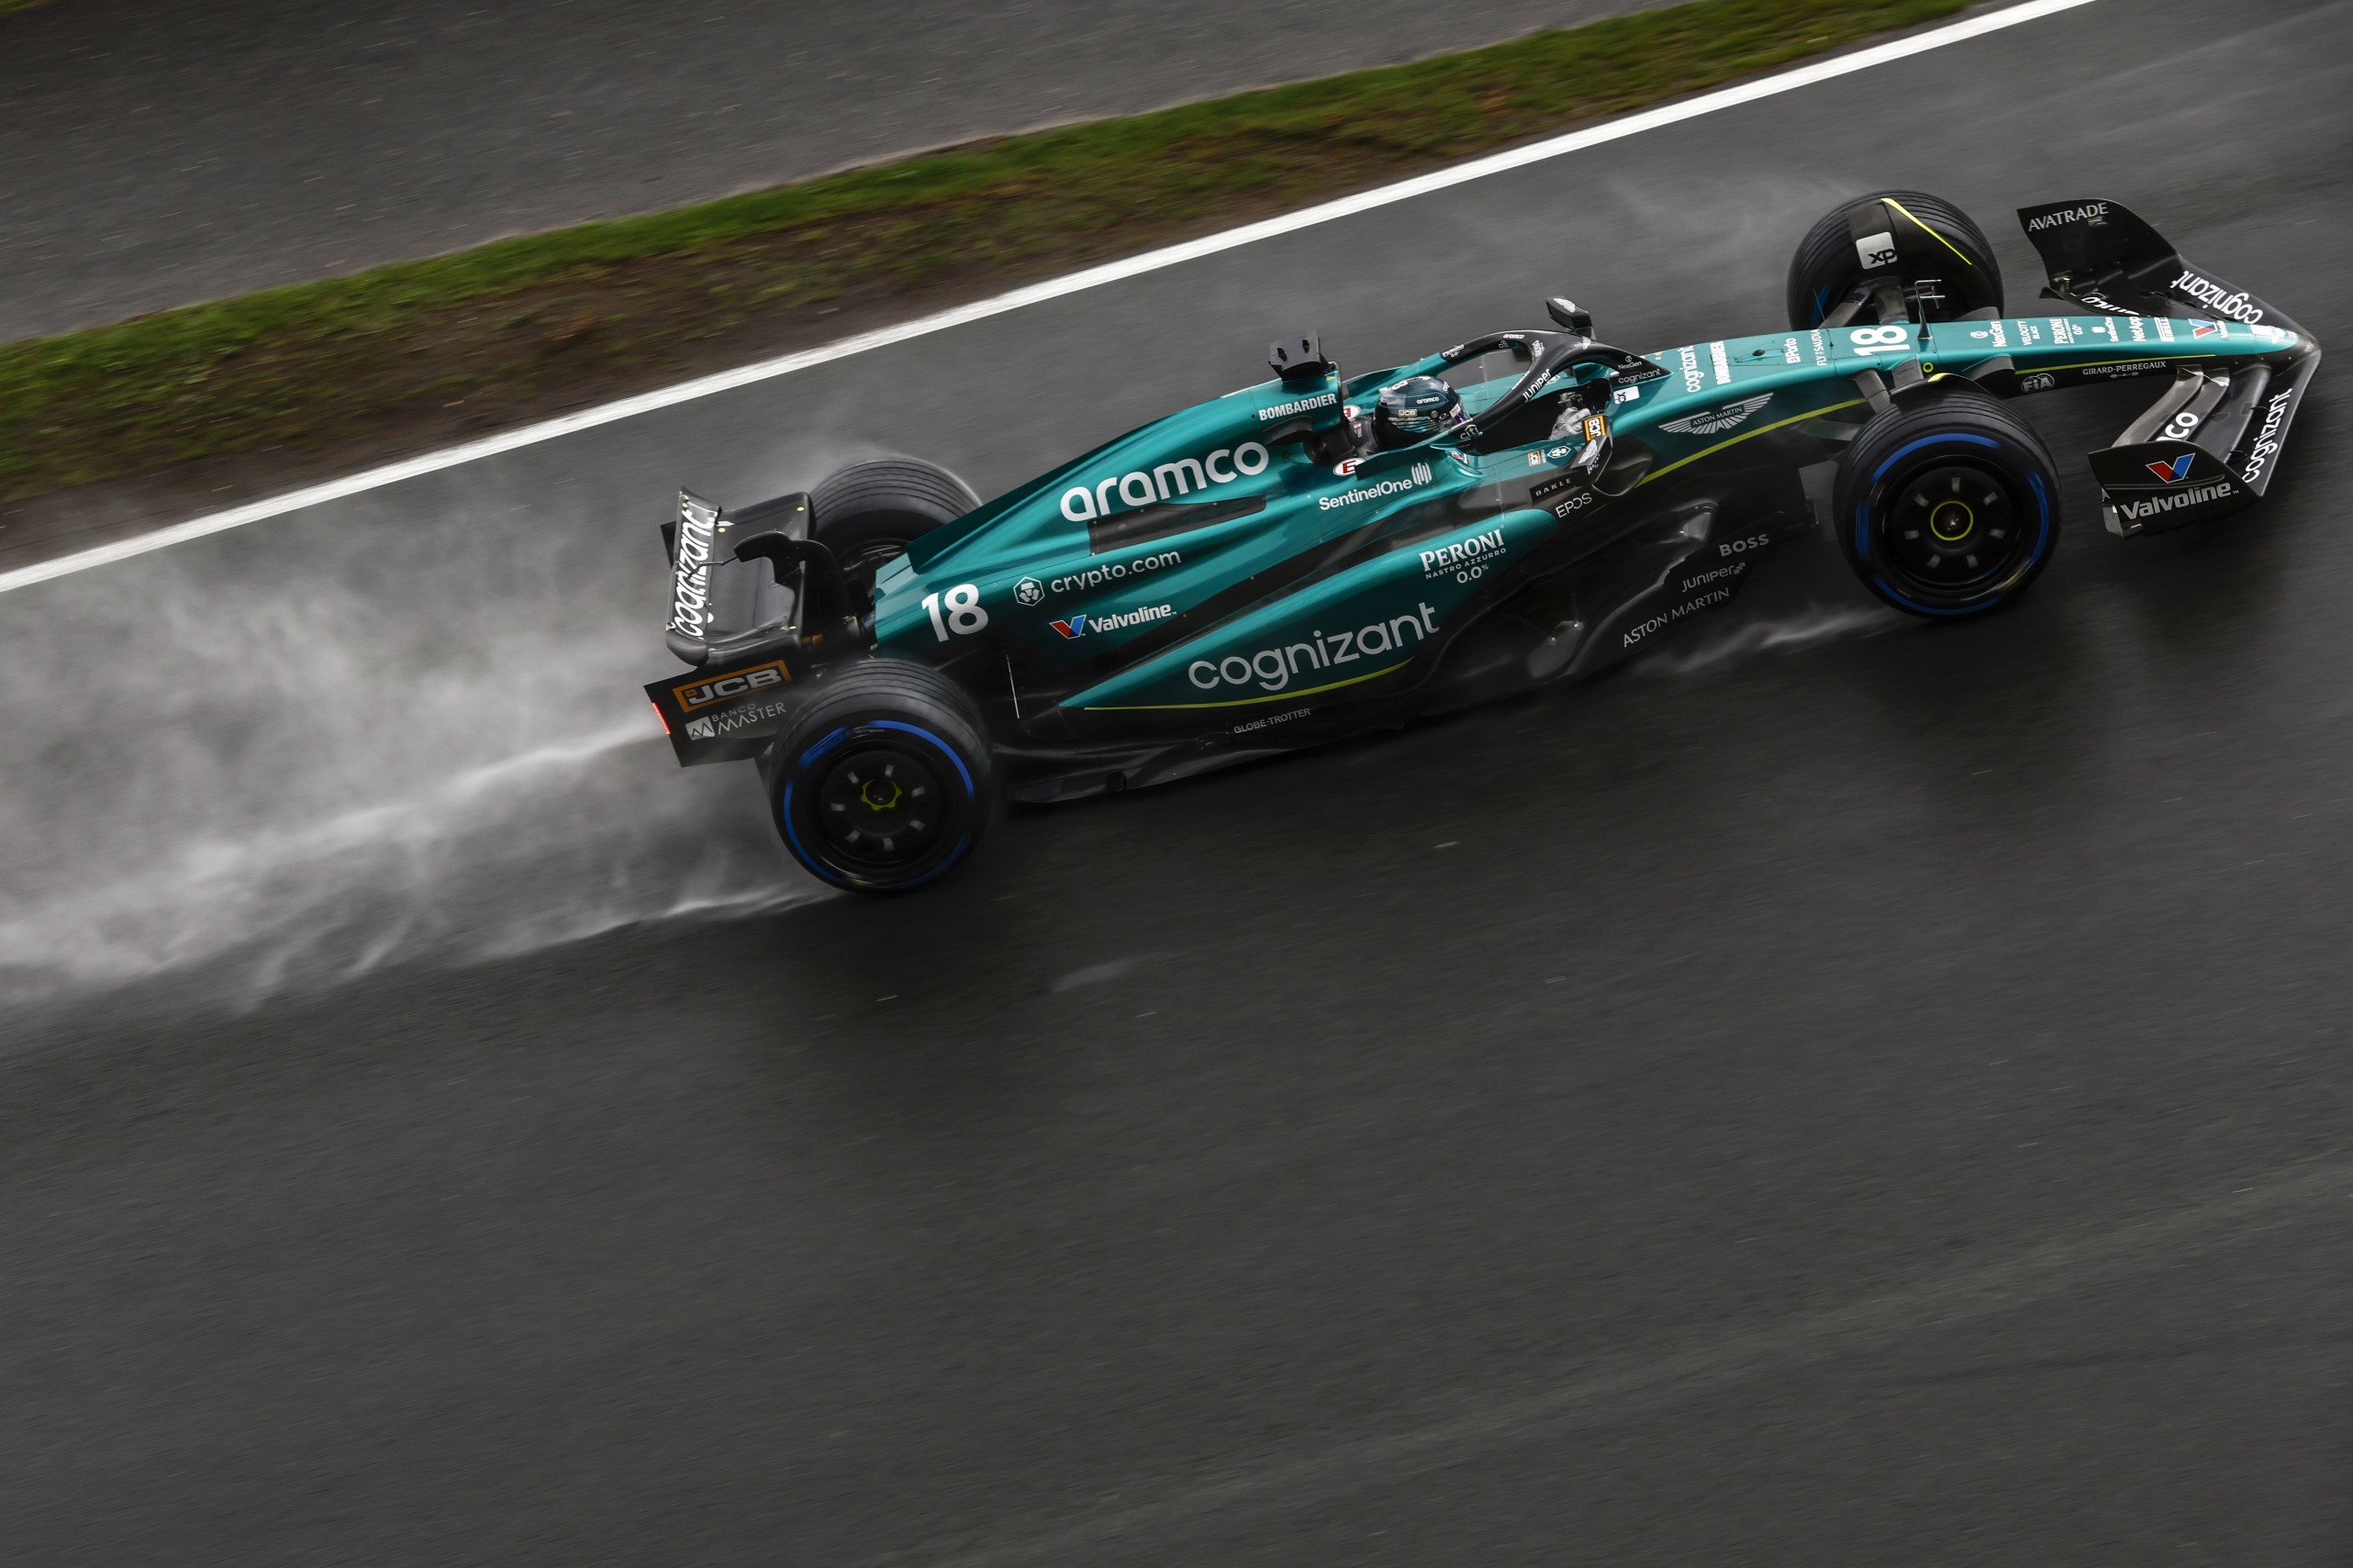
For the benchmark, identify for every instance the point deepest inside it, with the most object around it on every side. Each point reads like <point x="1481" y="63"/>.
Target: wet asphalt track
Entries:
<point x="1883" y="1100"/>
<point x="158" y="152"/>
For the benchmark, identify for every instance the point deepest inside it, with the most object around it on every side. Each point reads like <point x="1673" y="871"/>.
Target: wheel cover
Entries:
<point x="1953" y="533"/>
<point x="881" y="808"/>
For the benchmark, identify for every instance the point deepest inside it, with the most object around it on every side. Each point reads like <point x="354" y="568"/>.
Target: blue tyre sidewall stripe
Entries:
<point x="834" y="739"/>
<point x="1863" y="524"/>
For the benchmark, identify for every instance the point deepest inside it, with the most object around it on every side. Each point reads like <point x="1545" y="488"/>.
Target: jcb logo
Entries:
<point x="702" y="693"/>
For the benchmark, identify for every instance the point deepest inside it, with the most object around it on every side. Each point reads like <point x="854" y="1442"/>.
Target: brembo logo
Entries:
<point x="1272" y="669"/>
<point x="2089" y="212"/>
<point x="702" y="693"/>
<point x="2157" y="506"/>
<point x="1082" y="503"/>
<point x="690" y="600"/>
<point x="2211" y="294"/>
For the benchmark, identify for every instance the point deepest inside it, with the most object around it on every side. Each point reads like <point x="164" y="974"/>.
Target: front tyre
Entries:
<point x="882" y="780"/>
<point x="1924" y="246"/>
<point x="1947" y="505"/>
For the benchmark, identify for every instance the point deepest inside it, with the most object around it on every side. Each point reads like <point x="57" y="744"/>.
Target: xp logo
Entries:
<point x="1028" y="590"/>
<point x="2177" y="470"/>
<point x="1876" y="251"/>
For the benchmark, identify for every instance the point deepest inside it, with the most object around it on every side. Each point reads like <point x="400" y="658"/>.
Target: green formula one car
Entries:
<point x="1317" y="555"/>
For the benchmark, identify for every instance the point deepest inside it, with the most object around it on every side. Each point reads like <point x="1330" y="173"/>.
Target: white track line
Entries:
<point x="1035" y="294"/>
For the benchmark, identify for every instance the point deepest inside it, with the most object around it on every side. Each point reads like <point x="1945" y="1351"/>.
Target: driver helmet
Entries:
<point x="1414" y="409"/>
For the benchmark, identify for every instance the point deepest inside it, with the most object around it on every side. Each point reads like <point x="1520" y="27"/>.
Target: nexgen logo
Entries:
<point x="740" y="683"/>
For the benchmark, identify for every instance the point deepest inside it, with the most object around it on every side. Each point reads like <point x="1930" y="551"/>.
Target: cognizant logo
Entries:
<point x="1084" y="503"/>
<point x="1272" y="669"/>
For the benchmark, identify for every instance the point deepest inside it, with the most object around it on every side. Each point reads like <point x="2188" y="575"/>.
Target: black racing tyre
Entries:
<point x="882" y="780"/>
<point x="1947" y="506"/>
<point x="870" y="512"/>
<point x="1933" y="238"/>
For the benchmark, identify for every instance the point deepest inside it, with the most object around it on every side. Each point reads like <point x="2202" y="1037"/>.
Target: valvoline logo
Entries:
<point x="2173" y="472"/>
<point x="2203" y="329"/>
<point x="1112" y="620"/>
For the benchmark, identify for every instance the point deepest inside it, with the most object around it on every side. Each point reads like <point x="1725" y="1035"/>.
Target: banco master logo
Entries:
<point x="1715" y="419"/>
<point x="743" y="717"/>
<point x="1084" y="502"/>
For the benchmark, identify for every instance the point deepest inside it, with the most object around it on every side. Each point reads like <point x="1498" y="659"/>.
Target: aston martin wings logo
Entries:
<point x="1715" y="419"/>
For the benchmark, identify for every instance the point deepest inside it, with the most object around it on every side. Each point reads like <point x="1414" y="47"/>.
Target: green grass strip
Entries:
<point x="524" y="326"/>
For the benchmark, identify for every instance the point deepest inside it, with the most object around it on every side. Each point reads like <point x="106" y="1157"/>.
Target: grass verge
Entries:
<point x="526" y="326"/>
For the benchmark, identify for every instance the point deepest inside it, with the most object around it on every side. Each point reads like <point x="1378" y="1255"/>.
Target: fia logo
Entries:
<point x="1028" y="590"/>
<point x="2173" y="472"/>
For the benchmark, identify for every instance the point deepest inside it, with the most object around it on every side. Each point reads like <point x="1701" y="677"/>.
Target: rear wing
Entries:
<point x="750" y="593"/>
<point x="2210" y="445"/>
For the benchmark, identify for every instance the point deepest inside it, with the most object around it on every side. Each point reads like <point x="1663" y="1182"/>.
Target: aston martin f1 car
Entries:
<point x="1320" y="554"/>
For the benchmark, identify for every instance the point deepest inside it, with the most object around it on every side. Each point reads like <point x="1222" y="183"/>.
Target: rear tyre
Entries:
<point x="870" y="512"/>
<point x="882" y="780"/>
<point x="1947" y="505"/>
<point x="1932" y="241"/>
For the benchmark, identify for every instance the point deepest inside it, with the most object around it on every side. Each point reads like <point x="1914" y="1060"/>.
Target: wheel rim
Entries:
<point x="1953" y="533"/>
<point x="881" y="808"/>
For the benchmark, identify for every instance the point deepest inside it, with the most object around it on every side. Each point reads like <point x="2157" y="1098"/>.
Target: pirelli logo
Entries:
<point x="736" y="684"/>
